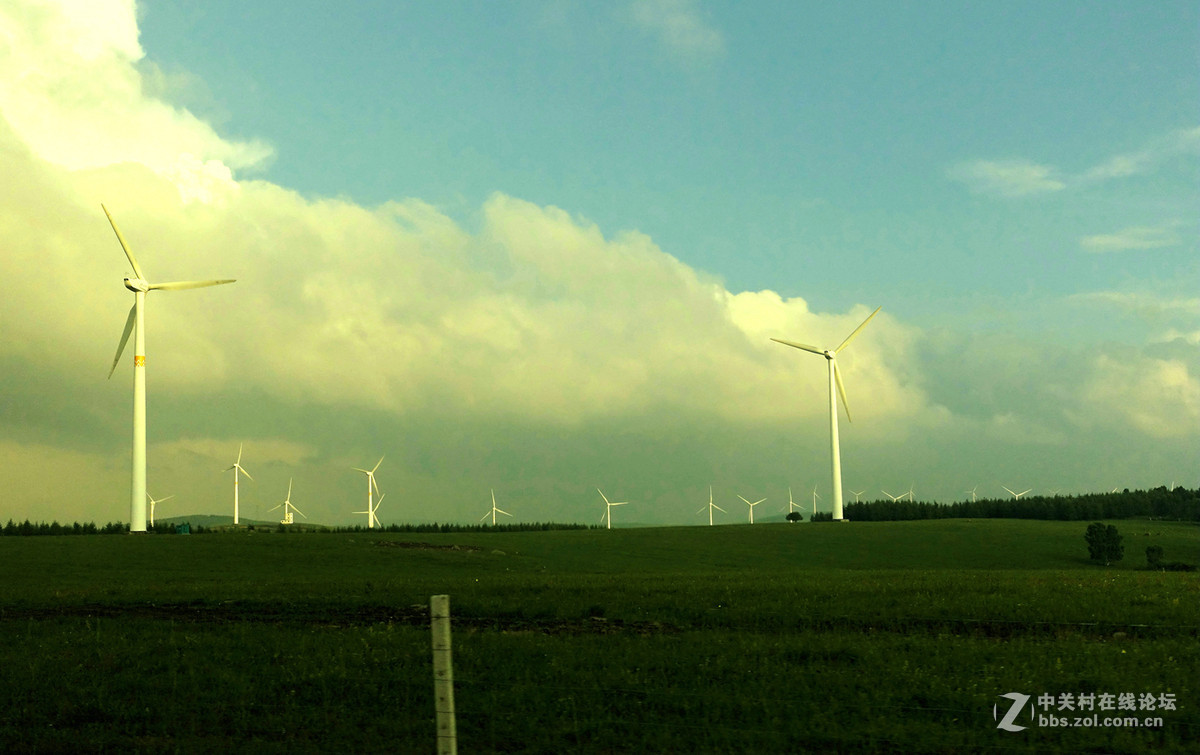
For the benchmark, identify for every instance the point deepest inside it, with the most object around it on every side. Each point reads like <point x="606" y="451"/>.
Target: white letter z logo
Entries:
<point x="1006" y="723"/>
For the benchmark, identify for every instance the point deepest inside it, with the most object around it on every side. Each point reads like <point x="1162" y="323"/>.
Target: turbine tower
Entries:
<point x="835" y="382"/>
<point x="608" y="507"/>
<point x="289" y="507"/>
<point x="237" y="467"/>
<point x="752" y="505"/>
<point x="494" y="511"/>
<point x="154" y="501"/>
<point x="710" y="507"/>
<point x="372" y="519"/>
<point x="371" y="484"/>
<point x="136" y="323"/>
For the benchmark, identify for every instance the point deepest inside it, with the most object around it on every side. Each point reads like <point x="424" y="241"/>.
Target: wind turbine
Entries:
<point x="372" y="519"/>
<point x="752" y="505"/>
<point x="154" y="501"/>
<point x="494" y="511"/>
<point x="710" y="507"/>
<point x="857" y="493"/>
<point x="815" y="497"/>
<point x="1016" y="496"/>
<point x="972" y="492"/>
<point x="289" y="507"/>
<point x="894" y="497"/>
<point x="237" y="467"/>
<point x="370" y="484"/>
<point x="792" y="505"/>
<point x="608" y="507"/>
<point x="835" y="381"/>
<point x="140" y="287"/>
<point x="909" y="494"/>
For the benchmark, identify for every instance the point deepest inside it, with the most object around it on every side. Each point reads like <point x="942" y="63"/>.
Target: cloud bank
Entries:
<point x="530" y="346"/>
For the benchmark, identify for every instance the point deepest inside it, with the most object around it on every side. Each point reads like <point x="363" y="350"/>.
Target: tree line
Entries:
<point x="1179" y="504"/>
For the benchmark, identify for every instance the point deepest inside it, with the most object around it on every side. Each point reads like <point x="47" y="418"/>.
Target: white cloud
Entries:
<point x="681" y="28"/>
<point x="1150" y="157"/>
<point x="1008" y="178"/>
<point x="1157" y="397"/>
<point x="70" y="90"/>
<point x="1135" y="237"/>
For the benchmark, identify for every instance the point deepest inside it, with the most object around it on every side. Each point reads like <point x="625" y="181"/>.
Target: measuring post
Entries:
<point x="443" y="675"/>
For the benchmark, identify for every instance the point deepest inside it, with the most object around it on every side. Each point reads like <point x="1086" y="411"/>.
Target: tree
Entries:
<point x="795" y="516"/>
<point x="1104" y="543"/>
<point x="1154" y="554"/>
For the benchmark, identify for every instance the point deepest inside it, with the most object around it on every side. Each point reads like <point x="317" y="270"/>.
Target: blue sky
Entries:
<point x="572" y="228"/>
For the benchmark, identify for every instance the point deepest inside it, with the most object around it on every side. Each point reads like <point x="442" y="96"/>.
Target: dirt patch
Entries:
<point x="424" y="546"/>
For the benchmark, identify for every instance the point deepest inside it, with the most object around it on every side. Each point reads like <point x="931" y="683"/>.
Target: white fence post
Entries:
<point x="443" y="675"/>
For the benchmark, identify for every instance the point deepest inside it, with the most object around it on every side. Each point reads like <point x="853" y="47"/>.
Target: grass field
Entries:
<point x="859" y="637"/>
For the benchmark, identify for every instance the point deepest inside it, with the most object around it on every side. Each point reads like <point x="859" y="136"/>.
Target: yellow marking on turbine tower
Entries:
<point x="139" y="361"/>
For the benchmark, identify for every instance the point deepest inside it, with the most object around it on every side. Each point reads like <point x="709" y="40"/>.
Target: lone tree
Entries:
<point x="1104" y="543"/>
<point x="794" y="517"/>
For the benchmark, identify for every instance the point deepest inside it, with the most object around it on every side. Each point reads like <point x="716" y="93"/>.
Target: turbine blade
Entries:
<point x="377" y="465"/>
<point x="718" y="508"/>
<point x="805" y="347"/>
<point x="137" y="269"/>
<point x="837" y="378"/>
<point x="502" y="511"/>
<point x="760" y="500"/>
<point x="601" y="492"/>
<point x="850" y="337"/>
<point x="181" y="285"/>
<point x="124" y="338"/>
<point x="243" y="469"/>
<point x="485" y="516"/>
<point x="747" y="502"/>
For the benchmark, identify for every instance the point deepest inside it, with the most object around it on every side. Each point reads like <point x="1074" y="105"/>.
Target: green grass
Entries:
<point x="859" y="637"/>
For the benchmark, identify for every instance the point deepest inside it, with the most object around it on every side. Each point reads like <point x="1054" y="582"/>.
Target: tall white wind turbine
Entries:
<point x="835" y="382"/>
<point x="792" y="505"/>
<point x="136" y="323"/>
<point x="154" y="501"/>
<point x="608" y="507"/>
<point x="752" y="505"/>
<point x="710" y="507"/>
<point x="494" y="511"/>
<point x="371" y="484"/>
<point x="857" y="493"/>
<point x="972" y="492"/>
<point x="815" y="497"/>
<point x="237" y="467"/>
<point x="289" y="507"/>
<point x="372" y="519"/>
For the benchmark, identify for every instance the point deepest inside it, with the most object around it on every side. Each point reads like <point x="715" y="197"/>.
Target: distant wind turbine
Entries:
<point x="909" y="494"/>
<point x="815" y="497"/>
<point x="857" y="493"/>
<point x="792" y="505"/>
<point x="289" y="507"/>
<point x="237" y="467"/>
<point x="136" y="323"/>
<point x="835" y="382"/>
<point x="154" y="501"/>
<point x="972" y="492"/>
<point x="1015" y="494"/>
<point x="494" y="511"/>
<point x="371" y="484"/>
<point x="710" y="507"/>
<point x="608" y="507"/>
<point x="893" y="497"/>
<point x="752" y="505"/>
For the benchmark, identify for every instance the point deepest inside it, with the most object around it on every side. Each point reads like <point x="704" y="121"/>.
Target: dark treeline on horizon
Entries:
<point x="1179" y="504"/>
<point x="28" y="528"/>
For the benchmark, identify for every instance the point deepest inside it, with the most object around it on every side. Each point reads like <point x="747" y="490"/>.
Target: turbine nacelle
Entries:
<point x="137" y="285"/>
